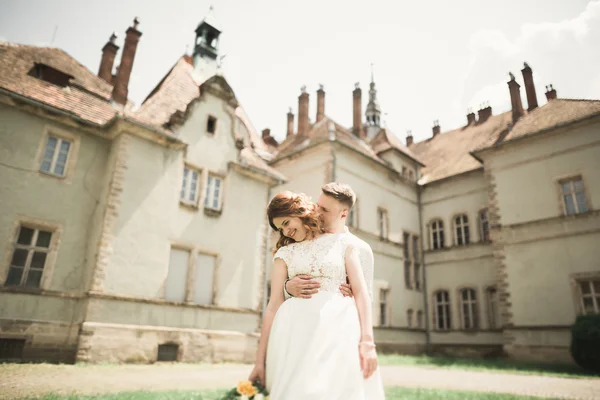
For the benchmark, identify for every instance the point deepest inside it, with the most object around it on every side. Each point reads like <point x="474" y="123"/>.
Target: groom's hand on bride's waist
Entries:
<point x="302" y="286"/>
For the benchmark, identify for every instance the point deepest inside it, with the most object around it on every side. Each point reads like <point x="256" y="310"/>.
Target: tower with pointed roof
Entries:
<point x="206" y="46"/>
<point x="373" y="113"/>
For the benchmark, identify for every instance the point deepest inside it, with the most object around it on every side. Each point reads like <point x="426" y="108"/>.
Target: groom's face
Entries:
<point x="330" y="210"/>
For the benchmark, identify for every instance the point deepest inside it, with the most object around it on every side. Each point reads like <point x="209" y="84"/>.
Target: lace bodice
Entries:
<point x="324" y="260"/>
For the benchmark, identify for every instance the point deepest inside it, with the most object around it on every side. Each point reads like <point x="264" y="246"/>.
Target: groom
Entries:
<point x="334" y="205"/>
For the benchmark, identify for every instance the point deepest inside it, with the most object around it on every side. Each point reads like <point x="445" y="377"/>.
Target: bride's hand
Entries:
<point x="258" y="374"/>
<point x="368" y="358"/>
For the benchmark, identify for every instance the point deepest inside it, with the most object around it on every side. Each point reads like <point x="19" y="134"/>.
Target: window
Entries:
<point x="407" y="274"/>
<point x="589" y="292"/>
<point x="468" y="308"/>
<point x="411" y="174"/>
<point x="409" y="318"/>
<point x="420" y="319"/>
<point x="167" y="352"/>
<point x="29" y="257"/>
<point x="484" y="226"/>
<point x="382" y="218"/>
<point x="406" y="245"/>
<point x="573" y="195"/>
<point x="416" y="263"/>
<point x="190" y="186"/>
<point x="51" y="75"/>
<point x="56" y="155"/>
<point x="441" y="315"/>
<point x="403" y="170"/>
<point x="491" y="295"/>
<point x="461" y="226"/>
<point x="190" y="278"/>
<point x="211" y="125"/>
<point x="11" y="350"/>
<point x="213" y="193"/>
<point x="437" y="234"/>
<point x="383" y="307"/>
<point x="175" y="285"/>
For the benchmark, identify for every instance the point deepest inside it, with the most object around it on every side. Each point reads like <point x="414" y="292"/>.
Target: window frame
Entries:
<point x="72" y="156"/>
<point x="465" y="229"/>
<point x="52" y="253"/>
<point x="563" y="205"/>
<point x="384" y="306"/>
<point x="448" y="308"/>
<point x="578" y="279"/>
<point x="439" y="231"/>
<point x="493" y="312"/>
<point x="473" y="304"/>
<point x="194" y="251"/>
<point x="383" y="223"/>
<point x="481" y="222"/>
<point x="200" y="186"/>
<point x="207" y="187"/>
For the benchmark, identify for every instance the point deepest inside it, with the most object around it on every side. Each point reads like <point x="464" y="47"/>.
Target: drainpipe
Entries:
<point x="424" y="270"/>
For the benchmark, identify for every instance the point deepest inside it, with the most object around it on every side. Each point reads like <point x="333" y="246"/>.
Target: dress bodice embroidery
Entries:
<point x="322" y="258"/>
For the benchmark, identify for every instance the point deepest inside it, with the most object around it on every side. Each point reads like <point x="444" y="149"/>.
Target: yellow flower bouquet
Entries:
<point x="247" y="390"/>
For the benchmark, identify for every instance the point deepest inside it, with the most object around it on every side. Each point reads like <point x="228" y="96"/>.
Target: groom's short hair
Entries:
<point x="342" y="192"/>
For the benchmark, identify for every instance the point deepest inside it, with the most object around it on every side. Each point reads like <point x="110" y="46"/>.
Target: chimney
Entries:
<point x="109" y="51"/>
<point x="320" y="103"/>
<point x="120" y="90"/>
<point x="515" y="98"/>
<point x="357" y="127"/>
<point x="436" y="127"/>
<point x="550" y="93"/>
<point x="529" y="87"/>
<point x="290" y="122"/>
<point x="470" y="117"/>
<point x="303" y="112"/>
<point x="409" y="138"/>
<point x="266" y="133"/>
<point x="484" y="112"/>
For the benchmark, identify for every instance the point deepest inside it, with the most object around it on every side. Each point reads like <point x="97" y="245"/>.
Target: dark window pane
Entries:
<point x="596" y="287"/>
<point x="467" y="236"/>
<point x="570" y="205"/>
<point x="442" y="239"/>
<point x="566" y="187"/>
<point x="585" y="287"/>
<point x="25" y="236"/>
<point x="578" y="185"/>
<point x="33" y="278"/>
<point x="581" y="202"/>
<point x="38" y="260"/>
<point x="588" y="305"/>
<point x="14" y="276"/>
<point x="19" y="258"/>
<point x="43" y="239"/>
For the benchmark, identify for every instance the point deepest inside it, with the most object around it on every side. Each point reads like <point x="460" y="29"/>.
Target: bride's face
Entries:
<point x="291" y="227"/>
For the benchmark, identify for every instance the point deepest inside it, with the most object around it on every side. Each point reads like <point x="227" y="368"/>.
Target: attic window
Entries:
<point x="211" y="125"/>
<point x="51" y="75"/>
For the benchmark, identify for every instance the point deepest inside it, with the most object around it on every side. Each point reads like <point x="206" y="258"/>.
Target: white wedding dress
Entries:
<point x="312" y="352"/>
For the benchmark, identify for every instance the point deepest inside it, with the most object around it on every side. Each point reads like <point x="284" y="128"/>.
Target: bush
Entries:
<point x="585" y="342"/>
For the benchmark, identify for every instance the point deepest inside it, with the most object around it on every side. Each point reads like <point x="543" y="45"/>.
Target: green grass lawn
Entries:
<point x="496" y="364"/>
<point x="391" y="394"/>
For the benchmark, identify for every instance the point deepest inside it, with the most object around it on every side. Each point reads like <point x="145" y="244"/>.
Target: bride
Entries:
<point x="319" y="348"/>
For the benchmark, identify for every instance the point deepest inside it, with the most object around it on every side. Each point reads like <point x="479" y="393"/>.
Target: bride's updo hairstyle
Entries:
<point x="289" y="204"/>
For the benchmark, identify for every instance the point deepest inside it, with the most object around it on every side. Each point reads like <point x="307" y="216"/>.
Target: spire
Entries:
<point x="206" y="45"/>
<point x="373" y="112"/>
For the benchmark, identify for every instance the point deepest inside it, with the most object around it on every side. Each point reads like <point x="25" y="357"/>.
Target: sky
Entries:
<point x="433" y="59"/>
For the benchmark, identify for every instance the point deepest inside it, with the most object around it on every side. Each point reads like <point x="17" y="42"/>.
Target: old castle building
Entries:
<point x="138" y="235"/>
